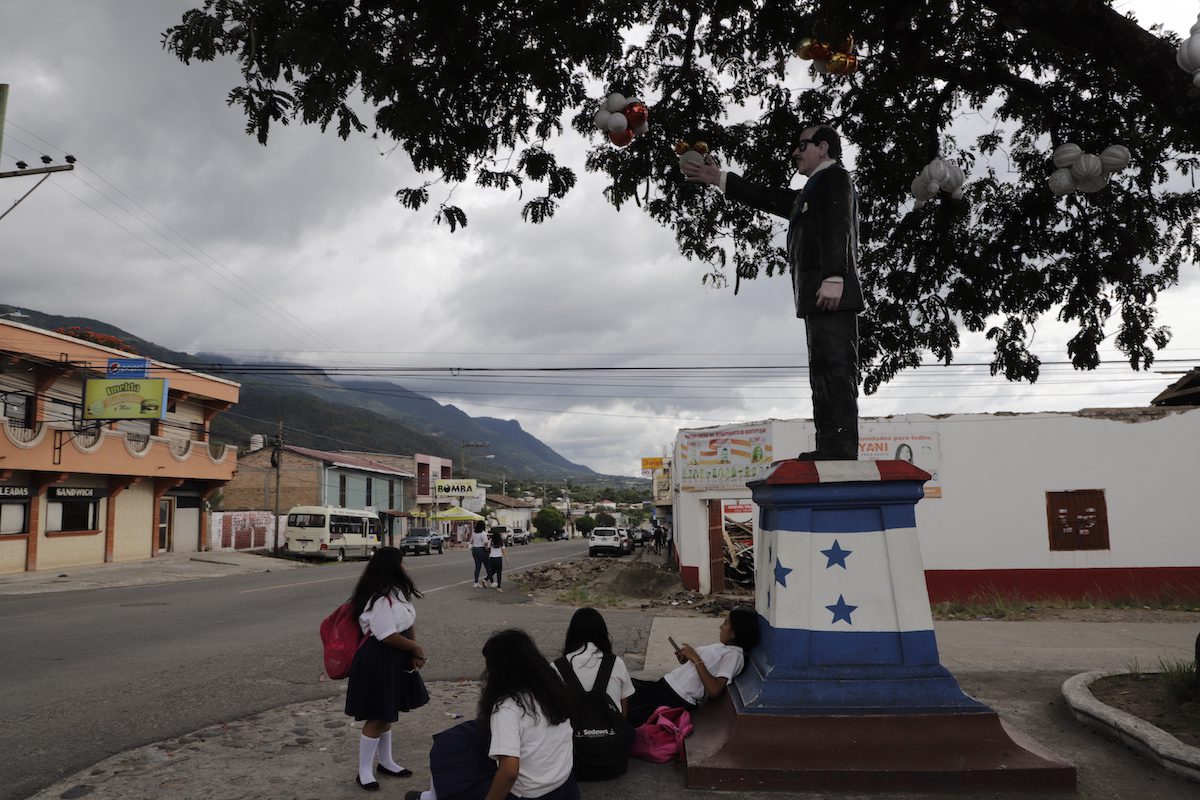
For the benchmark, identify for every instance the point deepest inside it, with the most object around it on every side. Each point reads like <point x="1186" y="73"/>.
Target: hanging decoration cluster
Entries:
<point x="691" y="152"/>
<point x="836" y="59"/>
<point x="938" y="175"/>
<point x="1188" y="55"/>
<point x="622" y="118"/>
<point x="1085" y="172"/>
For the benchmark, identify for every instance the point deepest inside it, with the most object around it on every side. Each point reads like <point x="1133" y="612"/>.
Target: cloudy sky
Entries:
<point x="180" y="228"/>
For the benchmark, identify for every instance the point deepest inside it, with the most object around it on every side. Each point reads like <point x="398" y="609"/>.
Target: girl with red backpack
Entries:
<point x="383" y="676"/>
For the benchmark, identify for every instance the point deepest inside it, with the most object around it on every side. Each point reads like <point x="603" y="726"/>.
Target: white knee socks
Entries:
<point x="384" y="752"/>
<point x="366" y="758"/>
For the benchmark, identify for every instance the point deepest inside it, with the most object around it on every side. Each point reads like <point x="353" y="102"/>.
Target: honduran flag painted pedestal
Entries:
<point x="845" y="690"/>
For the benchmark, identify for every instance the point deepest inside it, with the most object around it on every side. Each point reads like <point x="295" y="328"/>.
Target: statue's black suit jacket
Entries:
<point x="822" y="240"/>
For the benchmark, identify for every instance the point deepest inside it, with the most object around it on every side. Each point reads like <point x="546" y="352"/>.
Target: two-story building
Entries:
<point x="75" y="490"/>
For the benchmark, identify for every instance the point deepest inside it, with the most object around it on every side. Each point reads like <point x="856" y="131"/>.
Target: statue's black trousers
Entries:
<point x="833" y="376"/>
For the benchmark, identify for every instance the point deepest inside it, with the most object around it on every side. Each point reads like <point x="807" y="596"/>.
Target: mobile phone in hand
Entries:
<point x="674" y="646"/>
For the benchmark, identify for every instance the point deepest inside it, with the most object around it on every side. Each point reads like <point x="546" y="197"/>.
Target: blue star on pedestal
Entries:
<point x="781" y="573"/>
<point x="841" y="610"/>
<point x="836" y="555"/>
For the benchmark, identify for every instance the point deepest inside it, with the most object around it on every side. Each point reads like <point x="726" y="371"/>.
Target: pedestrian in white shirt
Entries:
<point x="496" y="560"/>
<point x="705" y="670"/>
<point x="479" y="550"/>
<point x="383" y="678"/>
<point x="520" y="744"/>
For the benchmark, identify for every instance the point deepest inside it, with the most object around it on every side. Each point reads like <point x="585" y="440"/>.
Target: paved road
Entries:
<point x="94" y="672"/>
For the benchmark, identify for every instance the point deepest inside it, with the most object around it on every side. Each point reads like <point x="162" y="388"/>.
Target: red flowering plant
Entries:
<point x="89" y="335"/>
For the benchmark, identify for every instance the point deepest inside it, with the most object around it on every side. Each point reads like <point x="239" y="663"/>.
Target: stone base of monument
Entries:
<point x="732" y="749"/>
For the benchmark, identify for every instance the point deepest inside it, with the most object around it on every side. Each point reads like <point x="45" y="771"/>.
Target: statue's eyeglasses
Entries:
<point x="804" y="143"/>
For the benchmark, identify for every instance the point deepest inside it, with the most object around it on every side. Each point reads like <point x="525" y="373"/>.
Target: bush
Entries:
<point x="547" y="521"/>
<point x="585" y="524"/>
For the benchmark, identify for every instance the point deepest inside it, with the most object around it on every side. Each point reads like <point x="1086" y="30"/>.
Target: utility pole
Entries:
<point x="22" y="167"/>
<point x="277" y="461"/>
<point x="463" y="447"/>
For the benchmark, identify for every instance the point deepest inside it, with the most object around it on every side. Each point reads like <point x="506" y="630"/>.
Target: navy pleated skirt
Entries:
<point x="462" y="770"/>
<point x="383" y="683"/>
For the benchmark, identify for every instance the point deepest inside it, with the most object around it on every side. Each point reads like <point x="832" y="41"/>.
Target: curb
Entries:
<point x="1172" y="754"/>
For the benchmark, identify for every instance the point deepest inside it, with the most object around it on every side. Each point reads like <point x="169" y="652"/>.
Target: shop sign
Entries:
<point x="77" y="493"/>
<point x="917" y="444"/>
<point x="14" y="493"/>
<point x="124" y="398"/>
<point x="129" y="368"/>
<point x="464" y="487"/>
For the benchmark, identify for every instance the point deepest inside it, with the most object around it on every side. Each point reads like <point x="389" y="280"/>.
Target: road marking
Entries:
<point x="301" y="583"/>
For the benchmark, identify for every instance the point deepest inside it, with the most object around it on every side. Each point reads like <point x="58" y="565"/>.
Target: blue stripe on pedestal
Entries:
<point x="838" y="508"/>
<point x="800" y="648"/>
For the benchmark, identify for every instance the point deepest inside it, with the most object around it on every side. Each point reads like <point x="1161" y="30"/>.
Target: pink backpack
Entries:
<point x="341" y="636"/>
<point x="660" y="737"/>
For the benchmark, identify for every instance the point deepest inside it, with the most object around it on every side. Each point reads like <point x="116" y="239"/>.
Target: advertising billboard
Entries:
<point x="124" y="398"/>
<point x="723" y="458"/>
<point x="458" y="487"/>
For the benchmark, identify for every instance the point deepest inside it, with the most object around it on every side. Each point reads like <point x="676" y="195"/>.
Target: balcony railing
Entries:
<point x="136" y="443"/>
<point x="181" y="447"/>
<point x="22" y="432"/>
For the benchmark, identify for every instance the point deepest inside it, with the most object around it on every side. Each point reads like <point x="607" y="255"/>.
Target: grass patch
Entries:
<point x="583" y="596"/>
<point x="993" y="604"/>
<point x="1180" y="684"/>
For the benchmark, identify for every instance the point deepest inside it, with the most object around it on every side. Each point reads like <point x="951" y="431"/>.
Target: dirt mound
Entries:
<point x="638" y="581"/>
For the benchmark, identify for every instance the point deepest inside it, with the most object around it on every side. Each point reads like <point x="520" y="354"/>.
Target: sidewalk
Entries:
<point x="166" y="568"/>
<point x="308" y="750"/>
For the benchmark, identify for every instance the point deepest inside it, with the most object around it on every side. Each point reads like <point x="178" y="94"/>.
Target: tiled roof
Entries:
<point x="508" y="502"/>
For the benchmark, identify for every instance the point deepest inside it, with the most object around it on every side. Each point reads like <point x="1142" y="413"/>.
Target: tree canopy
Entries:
<point x="548" y="520"/>
<point x="480" y="91"/>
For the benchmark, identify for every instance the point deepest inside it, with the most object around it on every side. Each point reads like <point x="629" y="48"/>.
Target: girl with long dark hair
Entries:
<point x="383" y="676"/>
<point x="519" y="746"/>
<point x="704" y="671"/>
<point x="587" y="644"/>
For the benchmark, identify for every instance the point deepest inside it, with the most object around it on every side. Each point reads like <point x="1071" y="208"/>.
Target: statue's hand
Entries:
<point x="829" y="295"/>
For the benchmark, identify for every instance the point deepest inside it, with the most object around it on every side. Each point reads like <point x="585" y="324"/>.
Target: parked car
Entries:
<point x="558" y="536"/>
<point x="520" y="536"/>
<point x="626" y="541"/>
<point x="639" y="536"/>
<point x="605" y="541"/>
<point x="423" y="540"/>
<point x="507" y="531"/>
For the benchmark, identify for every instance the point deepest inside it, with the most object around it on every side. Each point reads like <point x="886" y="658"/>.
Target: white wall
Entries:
<point x="995" y="471"/>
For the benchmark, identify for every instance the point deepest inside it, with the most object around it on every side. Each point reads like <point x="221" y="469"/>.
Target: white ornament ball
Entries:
<point x="690" y="157"/>
<point x="936" y="172"/>
<point x="1115" y="158"/>
<point x="600" y="119"/>
<point x="615" y="102"/>
<point x="617" y="123"/>
<point x="955" y="178"/>
<point x="1066" y="154"/>
<point x="1062" y="182"/>
<point x="957" y="194"/>
<point x="1196" y="80"/>
<point x="1086" y="166"/>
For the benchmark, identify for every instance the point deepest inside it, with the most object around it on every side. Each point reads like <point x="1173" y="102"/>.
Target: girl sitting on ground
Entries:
<point x="586" y="646"/>
<point x="704" y="673"/>
<point x="520" y="746"/>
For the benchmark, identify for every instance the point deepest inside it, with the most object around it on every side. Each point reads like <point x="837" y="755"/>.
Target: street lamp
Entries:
<point x="464" y="447"/>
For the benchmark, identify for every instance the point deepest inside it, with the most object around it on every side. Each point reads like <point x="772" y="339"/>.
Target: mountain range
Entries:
<point x="326" y="414"/>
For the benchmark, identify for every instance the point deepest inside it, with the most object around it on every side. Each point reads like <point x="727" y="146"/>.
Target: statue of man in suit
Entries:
<point x="822" y="246"/>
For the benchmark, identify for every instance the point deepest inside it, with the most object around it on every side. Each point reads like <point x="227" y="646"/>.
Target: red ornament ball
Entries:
<point x="636" y="113"/>
<point x="622" y="138"/>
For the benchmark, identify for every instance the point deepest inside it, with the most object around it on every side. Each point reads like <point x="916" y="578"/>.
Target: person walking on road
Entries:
<point x="496" y="560"/>
<point x="520" y="745"/>
<point x="383" y="678"/>
<point x="479" y="550"/>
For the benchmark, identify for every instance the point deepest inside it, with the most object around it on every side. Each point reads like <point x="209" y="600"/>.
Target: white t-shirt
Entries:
<point x="722" y="660"/>
<point x="382" y="618"/>
<point x="545" y="750"/>
<point x="496" y="552"/>
<point x="479" y="539"/>
<point x="586" y="664"/>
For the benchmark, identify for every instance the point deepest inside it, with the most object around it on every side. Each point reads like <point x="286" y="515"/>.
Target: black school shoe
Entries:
<point x="412" y="794"/>
<point x="373" y="786"/>
<point x="403" y="772"/>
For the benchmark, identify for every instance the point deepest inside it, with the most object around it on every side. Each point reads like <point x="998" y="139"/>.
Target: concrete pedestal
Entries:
<point x="846" y="690"/>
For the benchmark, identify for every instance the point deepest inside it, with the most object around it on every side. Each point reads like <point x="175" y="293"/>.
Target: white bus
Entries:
<point x="327" y="532"/>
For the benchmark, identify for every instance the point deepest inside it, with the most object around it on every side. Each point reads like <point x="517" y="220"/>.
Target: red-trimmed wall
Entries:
<point x="1148" y="583"/>
<point x="690" y="577"/>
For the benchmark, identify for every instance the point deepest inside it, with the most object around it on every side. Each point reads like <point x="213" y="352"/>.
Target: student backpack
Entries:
<point x="341" y="637"/>
<point x="602" y="736"/>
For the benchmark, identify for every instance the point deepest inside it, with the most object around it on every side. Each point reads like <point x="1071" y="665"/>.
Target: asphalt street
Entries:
<point x="95" y="672"/>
